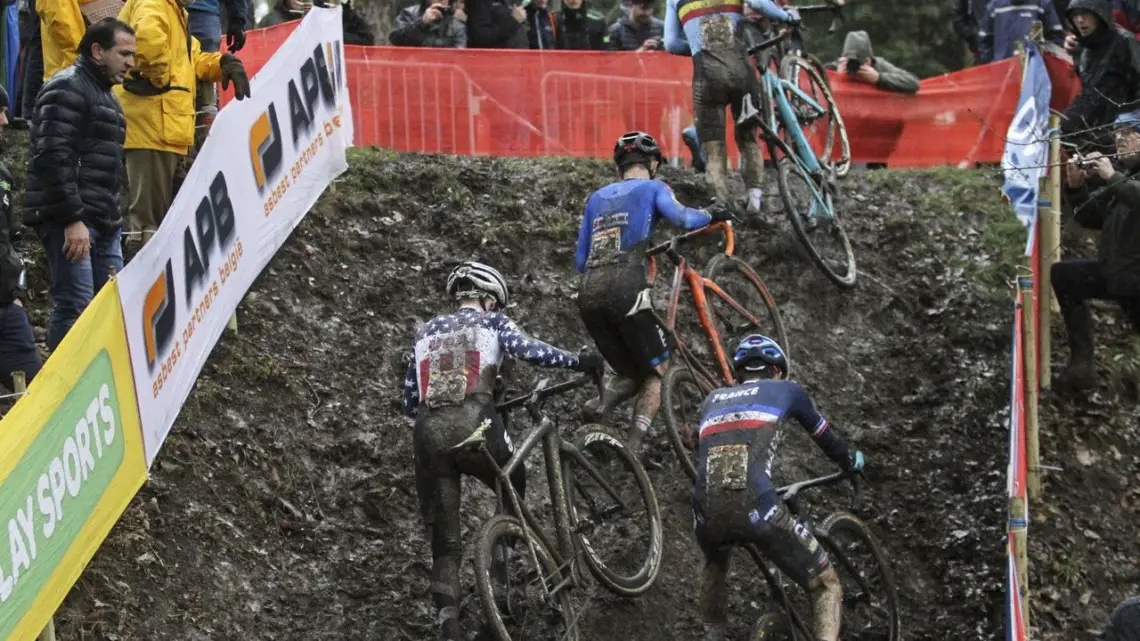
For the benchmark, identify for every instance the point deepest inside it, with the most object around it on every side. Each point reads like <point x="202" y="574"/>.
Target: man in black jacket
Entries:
<point x="580" y="27"/>
<point x="356" y="29"/>
<point x="1107" y="198"/>
<point x="640" y="30"/>
<point x="496" y="24"/>
<point x="1108" y="63"/>
<point x="78" y="123"/>
<point x="17" y="344"/>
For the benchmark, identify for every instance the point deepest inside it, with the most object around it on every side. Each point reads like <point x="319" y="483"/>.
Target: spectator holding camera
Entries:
<point x="640" y="30"/>
<point x="1105" y="195"/>
<point x="858" y="63"/>
<point x="431" y="23"/>
<point x="496" y="24"/>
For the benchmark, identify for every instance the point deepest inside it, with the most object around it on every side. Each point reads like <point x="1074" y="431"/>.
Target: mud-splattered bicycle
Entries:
<point x="605" y="512"/>
<point x="731" y="302"/>
<point x="870" y="602"/>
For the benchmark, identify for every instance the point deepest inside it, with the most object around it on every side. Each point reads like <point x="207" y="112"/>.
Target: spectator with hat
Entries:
<point x="638" y="31"/>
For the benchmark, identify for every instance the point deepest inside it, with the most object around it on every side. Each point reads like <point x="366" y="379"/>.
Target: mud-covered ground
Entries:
<point x="283" y="505"/>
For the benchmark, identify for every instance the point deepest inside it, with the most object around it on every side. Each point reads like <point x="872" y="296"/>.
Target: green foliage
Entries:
<point x="914" y="35"/>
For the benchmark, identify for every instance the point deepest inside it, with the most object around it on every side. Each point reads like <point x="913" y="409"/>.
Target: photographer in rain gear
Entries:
<point x="1105" y="195"/>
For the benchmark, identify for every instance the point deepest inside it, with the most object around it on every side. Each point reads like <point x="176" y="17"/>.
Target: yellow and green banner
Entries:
<point x="71" y="459"/>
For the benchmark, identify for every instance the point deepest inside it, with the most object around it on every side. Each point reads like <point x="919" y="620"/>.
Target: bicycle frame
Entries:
<point x="780" y="116"/>
<point x="789" y="495"/>
<point x="700" y="286"/>
<point x="554" y="447"/>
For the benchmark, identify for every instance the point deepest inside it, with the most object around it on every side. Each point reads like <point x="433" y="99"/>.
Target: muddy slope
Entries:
<point x="283" y="505"/>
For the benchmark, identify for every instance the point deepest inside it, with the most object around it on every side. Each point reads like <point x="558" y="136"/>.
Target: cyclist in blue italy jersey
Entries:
<point x="613" y="297"/>
<point x="722" y="76"/>
<point x="735" y="501"/>
<point x="449" y="389"/>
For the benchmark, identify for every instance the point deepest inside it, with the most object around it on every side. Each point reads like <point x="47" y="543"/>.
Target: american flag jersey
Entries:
<point x="457" y="355"/>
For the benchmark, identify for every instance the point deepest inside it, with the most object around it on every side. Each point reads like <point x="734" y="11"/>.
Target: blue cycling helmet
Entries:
<point x="758" y="353"/>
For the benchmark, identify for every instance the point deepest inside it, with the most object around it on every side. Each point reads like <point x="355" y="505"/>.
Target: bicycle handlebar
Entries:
<point x="543" y="390"/>
<point x="669" y="247"/>
<point x="789" y="493"/>
<point x="797" y="11"/>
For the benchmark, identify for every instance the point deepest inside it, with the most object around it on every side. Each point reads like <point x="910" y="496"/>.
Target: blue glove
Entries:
<point x="857" y="462"/>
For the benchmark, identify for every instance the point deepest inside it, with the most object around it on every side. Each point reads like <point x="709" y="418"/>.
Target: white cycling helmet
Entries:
<point x="472" y="280"/>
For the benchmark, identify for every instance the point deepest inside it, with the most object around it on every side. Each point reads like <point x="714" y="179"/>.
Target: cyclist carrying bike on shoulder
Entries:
<point x="449" y="389"/>
<point x="722" y="76"/>
<point x="613" y="297"/>
<point x="735" y="501"/>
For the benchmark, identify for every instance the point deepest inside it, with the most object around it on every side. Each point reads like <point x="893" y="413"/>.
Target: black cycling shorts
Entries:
<point x="724" y="77"/>
<point x="721" y="525"/>
<point x="633" y="345"/>
<point x="439" y="429"/>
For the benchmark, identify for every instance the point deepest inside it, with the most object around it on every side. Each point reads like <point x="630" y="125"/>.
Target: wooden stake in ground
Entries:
<point x="1018" y="526"/>
<point x="1049" y="251"/>
<point x="1029" y="345"/>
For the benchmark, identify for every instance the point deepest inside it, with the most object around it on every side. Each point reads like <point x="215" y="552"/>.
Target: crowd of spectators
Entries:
<point x="507" y="24"/>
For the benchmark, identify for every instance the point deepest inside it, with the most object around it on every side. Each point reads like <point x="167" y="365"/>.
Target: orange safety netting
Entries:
<point x="530" y="103"/>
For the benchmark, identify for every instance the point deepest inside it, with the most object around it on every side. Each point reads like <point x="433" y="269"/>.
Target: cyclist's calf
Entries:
<point x="827" y="597"/>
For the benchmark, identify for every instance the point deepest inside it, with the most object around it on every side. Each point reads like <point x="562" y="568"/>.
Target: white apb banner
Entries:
<point x="265" y="163"/>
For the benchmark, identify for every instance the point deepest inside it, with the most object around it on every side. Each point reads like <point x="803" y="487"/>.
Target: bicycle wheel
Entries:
<point x="810" y="207"/>
<point x="615" y="517"/>
<point x="754" y="311"/>
<point x="521" y="600"/>
<point x="824" y="128"/>
<point x="681" y="398"/>
<point x="794" y="602"/>
<point x="870" y="603"/>
<point x="815" y="119"/>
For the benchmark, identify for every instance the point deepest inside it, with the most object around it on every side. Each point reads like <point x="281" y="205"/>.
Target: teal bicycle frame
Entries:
<point x="779" y="115"/>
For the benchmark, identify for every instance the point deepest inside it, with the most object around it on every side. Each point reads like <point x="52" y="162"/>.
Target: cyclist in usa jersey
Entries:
<point x="613" y="297"/>
<point x="722" y="77"/>
<point x="449" y="389"/>
<point x="734" y="499"/>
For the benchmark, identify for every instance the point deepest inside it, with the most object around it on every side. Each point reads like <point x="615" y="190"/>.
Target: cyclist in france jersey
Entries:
<point x="722" y="76"/>
<point x="735" y="501"/>
<point x="449" y="390"/>
<point x="613" y="298"/>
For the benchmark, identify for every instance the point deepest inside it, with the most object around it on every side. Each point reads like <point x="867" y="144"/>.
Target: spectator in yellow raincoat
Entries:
<point x="61" y="29"/>
<point x="158" y="101"/>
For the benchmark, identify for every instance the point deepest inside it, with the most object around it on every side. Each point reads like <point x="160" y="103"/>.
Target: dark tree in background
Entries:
<point x="913" y="34"/>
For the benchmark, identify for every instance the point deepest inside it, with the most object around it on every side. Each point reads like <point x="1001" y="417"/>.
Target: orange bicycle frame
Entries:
<point x="698" y="285"/>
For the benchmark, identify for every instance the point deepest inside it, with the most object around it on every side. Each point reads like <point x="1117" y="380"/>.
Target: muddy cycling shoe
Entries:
<point x="590" y="413"/>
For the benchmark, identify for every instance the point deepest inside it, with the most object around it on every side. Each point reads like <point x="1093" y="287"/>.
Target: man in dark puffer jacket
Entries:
<point x="74" y="165"/>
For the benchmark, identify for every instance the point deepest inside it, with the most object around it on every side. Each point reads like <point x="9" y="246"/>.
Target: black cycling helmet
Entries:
<point x="758" y="354"/>
<point x="636" y="147"/>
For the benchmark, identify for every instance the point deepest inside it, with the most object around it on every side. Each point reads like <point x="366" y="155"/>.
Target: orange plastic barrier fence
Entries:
<point x="529" y="103"/>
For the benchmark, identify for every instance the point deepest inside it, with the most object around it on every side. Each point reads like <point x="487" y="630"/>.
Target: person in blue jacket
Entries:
<point x="613" y="297"/>
<point x="1007" y="22"/>
<point x="722" y="77"/>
